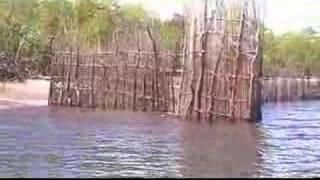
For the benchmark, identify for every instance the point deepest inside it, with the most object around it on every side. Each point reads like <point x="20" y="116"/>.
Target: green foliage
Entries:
<point x="296" y="51"/>
<point x="18" y="29"/>
<point x="33" y="28"/>
<point x="29" y="28"/>
<point x="133" y="13"/>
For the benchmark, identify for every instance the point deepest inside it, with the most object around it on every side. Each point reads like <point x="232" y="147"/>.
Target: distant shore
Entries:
<point x="35" y="92"/>
<point x="31" y="92"/>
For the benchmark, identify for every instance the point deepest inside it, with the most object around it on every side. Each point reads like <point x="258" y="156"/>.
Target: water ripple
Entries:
<point x="70" y="142"/>
<point x="290" y="148"/>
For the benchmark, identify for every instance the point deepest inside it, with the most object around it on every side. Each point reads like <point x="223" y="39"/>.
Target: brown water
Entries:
<point x="69" y="142"/>
<point x="41" y="141"/>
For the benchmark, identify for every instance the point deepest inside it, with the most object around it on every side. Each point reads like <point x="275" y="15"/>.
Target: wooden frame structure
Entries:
<point x="221" y="66"/>
<point x="126" y="81"/>
<point x="224" y="61"/>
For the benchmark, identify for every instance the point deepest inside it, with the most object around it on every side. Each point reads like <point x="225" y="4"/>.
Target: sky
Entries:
<point x="280" y="15"/>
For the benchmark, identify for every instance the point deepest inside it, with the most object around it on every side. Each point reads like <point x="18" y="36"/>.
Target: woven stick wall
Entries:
<point x="221" y="66"/>
<point x="133" y="75"/>
<point x="224" y="61"/>
<point x="282" y="89"/>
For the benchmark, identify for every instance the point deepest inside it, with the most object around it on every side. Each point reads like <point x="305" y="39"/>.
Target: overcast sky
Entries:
<point x="281" y="15"/>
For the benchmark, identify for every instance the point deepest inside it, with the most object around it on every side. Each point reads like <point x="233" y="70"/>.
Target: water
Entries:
<point x="289" y="146"/>
<point x="68" y="142"/>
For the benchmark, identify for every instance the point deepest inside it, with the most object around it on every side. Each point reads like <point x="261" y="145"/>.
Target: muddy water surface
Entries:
<point x="41" y="141"/>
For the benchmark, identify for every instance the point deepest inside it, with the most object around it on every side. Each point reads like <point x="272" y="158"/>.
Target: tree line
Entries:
<point x="291" y="53"/>
<point x="32" y="29"/>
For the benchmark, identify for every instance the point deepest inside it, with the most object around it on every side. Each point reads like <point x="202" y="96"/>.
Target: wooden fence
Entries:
<point x="126" y="81"/>
<point x="279" y="89"/>
<point x="224" y="58"/>
<point x="221" y="65"/>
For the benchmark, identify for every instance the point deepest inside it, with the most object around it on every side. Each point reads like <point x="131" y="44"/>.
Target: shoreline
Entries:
<point x="35" y="92"/>
<point x="32" y="92"/>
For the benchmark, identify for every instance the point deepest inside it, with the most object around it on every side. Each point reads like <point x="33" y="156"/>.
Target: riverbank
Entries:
<point x="31" y="92"/>
<point x="35" y="92"/>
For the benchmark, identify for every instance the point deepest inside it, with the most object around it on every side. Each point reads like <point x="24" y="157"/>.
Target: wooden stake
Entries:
<point x="236" y="68"/>
<point x="92" y="97"/>
<point x="203" y="39"/>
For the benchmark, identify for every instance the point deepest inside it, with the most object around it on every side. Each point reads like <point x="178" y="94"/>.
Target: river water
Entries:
<point x="42" y="141"/>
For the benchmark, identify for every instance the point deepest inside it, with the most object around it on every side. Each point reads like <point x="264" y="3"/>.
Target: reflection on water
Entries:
<point x="70" y="142"/>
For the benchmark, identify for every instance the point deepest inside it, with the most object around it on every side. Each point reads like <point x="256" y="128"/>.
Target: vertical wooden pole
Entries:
<point x="192" y="59"/>
<point x="204" y="43"/>
<point x="171" y="78"/>
<point x="62" y="81"/>
<point x="104" y="89"/>
<point x="257" y="116"/>
<point x="303" y="84"/>
<point x="154" y="98"/>
<point x="69" y="79"/>
<point x="116" y="61"/>
<point x="136" y="69"/>
<point x="77" y="83"/>
<point x="92" y="98"/>
<point x="135" y="82"/>
<point x="236" y="68"/>
<point x="252" y="98"/>
<point x="155" y="92"/>
<point x="144" y="89"/>
<point x="214" y="80"/>
<point x="123" y="81"/>
<point x="77" y="65"/>
<point x="182" y="77"/>
<point x="51" y="77"/>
